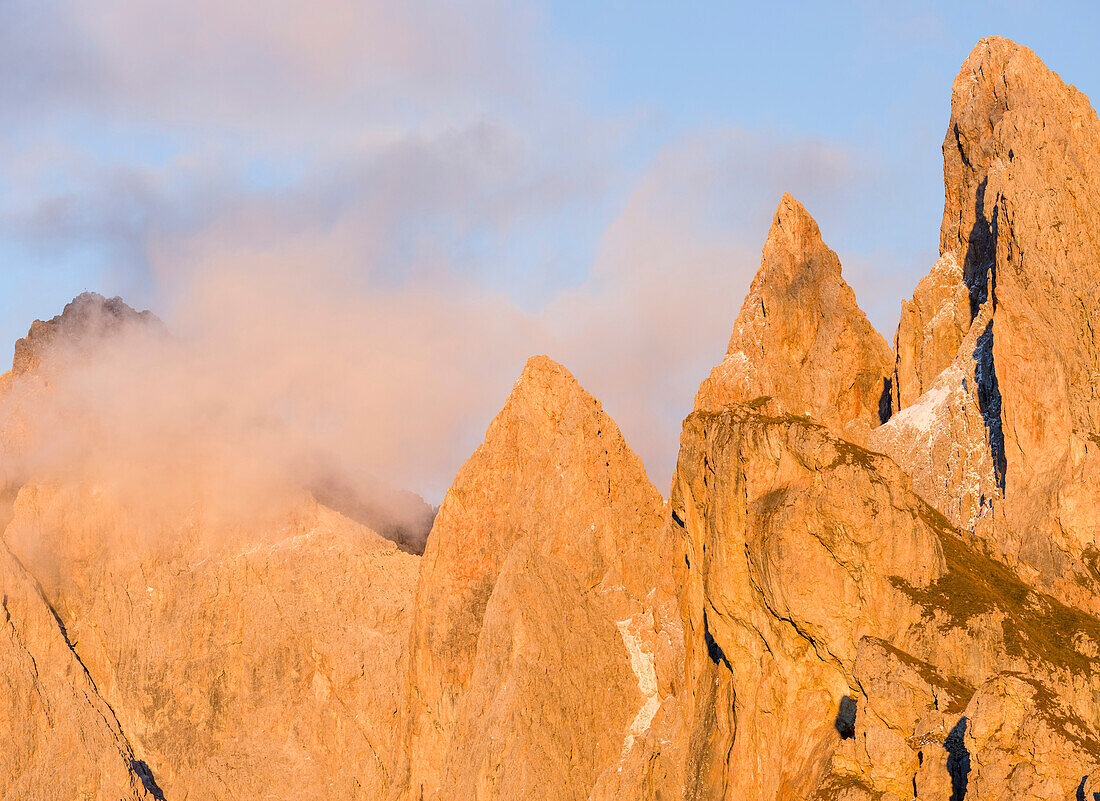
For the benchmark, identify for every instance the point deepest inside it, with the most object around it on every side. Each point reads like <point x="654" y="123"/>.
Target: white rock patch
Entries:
<point x="637" y="634"/>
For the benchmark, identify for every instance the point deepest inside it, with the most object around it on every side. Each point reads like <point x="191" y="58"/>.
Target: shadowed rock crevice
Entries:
<point x="885" y="402"/>
<point x="979" y="262"/>
<point x="845" y="722"/>
<point x="714" y="650"/>
<point x="958" y="760"/>
<point x="144" y="773"/>
<point x="989" y="402"/>
<point x="1081" y="796"/>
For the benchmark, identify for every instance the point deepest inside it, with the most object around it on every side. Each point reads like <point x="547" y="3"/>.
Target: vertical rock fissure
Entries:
<point x="958" y="760"/>
<point x="989" y="402"/>
<point x="979" y="261"/>
<point x="980" y="275"/>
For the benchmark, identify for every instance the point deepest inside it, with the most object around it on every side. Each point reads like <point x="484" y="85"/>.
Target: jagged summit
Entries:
<point x="1004" y="439"/>
<point x="86" y="319"/>
<point x="1010" y="115"/>
<point x="554" y="477"/>
<point x="794" y="231"/>
<point x="824" y="610"/>
<point x="1022" y="187"/>
<point x="800" y="337"/>
<point x="545" y="381"/>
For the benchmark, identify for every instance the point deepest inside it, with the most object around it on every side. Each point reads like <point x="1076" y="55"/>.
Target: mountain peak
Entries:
<point x="86" y="319"/>
<point x="543" y="375"/>
<point x="800" y="336"/>
<point x="795" y="232"/>
<point x="1002" y="79"/>
<point x="555" y="474"/>
<point x="1021" y="185"/>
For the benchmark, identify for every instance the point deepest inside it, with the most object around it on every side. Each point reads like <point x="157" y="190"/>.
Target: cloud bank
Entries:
<point x="358" y="220"/>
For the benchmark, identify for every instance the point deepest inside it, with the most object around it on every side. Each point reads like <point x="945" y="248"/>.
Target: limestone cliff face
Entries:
<point x="829" y="607"/>
<point x="932" y="326"/>
<point x="553" y="515"/>
<point x="800" y="337"/>
<point x="1022" y="171"/>
<point x="836" y="628"/>
<point x="256" y="661"/>
<point x="943" y="439"/>
<point x="1022" y="211"/>
<point x="61" y="739"/>
<point x="844" y="640"/>
<point x="780" y="581"/>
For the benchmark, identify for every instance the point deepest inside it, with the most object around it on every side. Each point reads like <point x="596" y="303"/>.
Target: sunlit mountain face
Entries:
<point x="481" y="401"/>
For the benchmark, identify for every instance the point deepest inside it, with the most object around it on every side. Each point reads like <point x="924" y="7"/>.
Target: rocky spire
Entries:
<point x="84" y="322"/>
<point x="555" y="474"/>
<point x="1022" y="219"/>
<point x="932" y="326"/>
<point x="801" y="338"/>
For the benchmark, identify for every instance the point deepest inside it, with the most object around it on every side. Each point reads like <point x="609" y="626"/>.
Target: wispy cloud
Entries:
<point x="361" y="218"/>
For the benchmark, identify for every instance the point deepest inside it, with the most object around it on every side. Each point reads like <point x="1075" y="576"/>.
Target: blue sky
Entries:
<point x="593" y="180"/>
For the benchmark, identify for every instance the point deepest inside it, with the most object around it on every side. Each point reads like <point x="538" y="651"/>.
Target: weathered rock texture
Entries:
<point x="245" y="662"/>
<point x="836" y="628"/>
<point x="933" y="324"/>
<point x="807" y="619"/>
<point x="943" y="440"/>
<point x="800" y="338"/>
<point x="1021" y="217"/>
<point x="844" y="639"/>
<point x="531" y="669"/>
<point x="61" y="739"/>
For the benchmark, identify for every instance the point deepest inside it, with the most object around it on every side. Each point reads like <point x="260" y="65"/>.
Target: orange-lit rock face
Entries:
<point x="829" y="607"/>
<point x="800" y="337"/>
<point x="836" y="628"/>
<point x="267" y="659"/>
<point x="61" y="738"/>
<point x="1008" y="433"/>
<point x="933" y="324"/>
<point x="554" y="477"/>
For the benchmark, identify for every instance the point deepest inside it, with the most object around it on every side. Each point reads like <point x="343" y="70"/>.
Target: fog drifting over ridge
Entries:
<point x="373" y="235"/>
